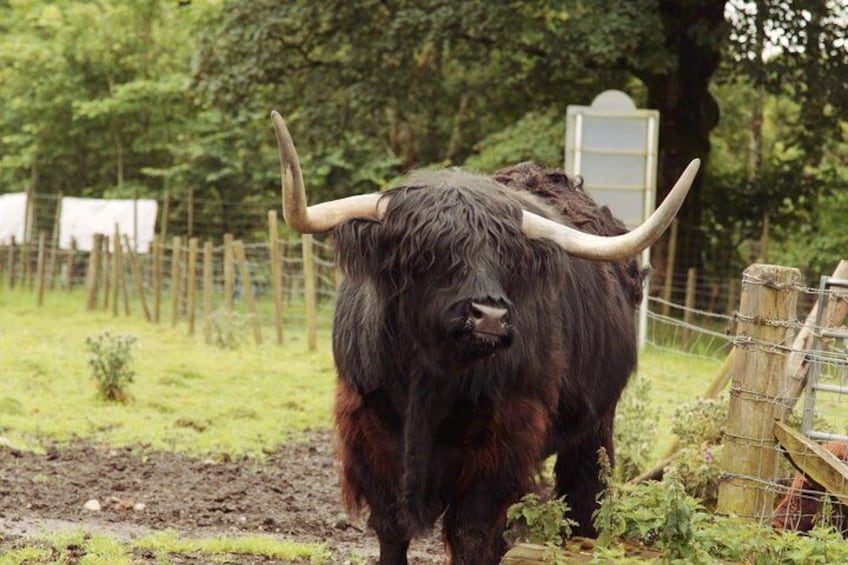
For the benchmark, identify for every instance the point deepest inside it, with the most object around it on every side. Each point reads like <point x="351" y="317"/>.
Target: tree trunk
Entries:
<point x="688" y="113"/>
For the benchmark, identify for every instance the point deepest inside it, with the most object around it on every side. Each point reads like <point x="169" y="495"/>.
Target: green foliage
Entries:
<point x="698" y="424"/>
<point x="537" y="136"/>
<point x="655" y="514"/>
<point x="636" y="421"/>
<point x="111" y="364"/>
<point x="700" y="421"/>
<point x="532" y="520"/>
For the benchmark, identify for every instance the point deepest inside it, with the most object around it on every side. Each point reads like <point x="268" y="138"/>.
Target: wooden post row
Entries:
<point x="765" y="331"/>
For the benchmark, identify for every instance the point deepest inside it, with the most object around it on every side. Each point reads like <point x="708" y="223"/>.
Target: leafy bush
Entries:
<point x="110" y="361"/>
<point x="537" y="136"/>
<point x="533" y="520"/>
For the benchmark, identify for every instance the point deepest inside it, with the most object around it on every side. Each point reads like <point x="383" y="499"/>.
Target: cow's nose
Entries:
<point x="489" y="320"/>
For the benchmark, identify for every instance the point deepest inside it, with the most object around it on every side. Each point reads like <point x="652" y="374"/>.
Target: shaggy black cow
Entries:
<point x="476" y="332"/>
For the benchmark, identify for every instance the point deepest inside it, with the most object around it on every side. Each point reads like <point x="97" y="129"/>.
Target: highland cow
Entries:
<point x="483" y="324"/>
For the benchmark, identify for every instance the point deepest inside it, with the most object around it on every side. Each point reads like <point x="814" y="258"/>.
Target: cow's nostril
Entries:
<point x="489" y="319"/>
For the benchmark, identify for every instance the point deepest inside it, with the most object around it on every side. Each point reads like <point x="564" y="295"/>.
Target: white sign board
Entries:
<point x="12" y="212"/>
<point x="81" y="218"/>
<point x="613" y="146"/>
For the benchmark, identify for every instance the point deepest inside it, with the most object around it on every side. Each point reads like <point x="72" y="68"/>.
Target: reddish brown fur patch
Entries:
<point x="361" y="434"/>
<point x="516" y="442"/>
<point x="798" y="509"/>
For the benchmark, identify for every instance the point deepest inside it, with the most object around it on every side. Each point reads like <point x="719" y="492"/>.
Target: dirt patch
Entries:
<point x="293" y="493"/>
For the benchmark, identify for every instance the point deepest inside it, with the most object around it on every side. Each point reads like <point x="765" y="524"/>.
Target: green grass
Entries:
<point x="187" y="396"/>
<point x="675" y="378"/>
<point x="98" y="549"/>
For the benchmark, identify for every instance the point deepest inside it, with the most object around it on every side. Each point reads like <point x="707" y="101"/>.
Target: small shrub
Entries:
<point x="699" y="426"/>
<point x="225" y="330"/>
<point x="533" y="520"/>
<point x="110" y="361"/>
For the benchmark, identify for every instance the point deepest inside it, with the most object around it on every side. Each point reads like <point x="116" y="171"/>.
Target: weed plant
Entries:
<point x="111" y="364"/>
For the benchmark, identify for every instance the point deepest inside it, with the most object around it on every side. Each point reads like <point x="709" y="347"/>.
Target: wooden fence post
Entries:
<point x="276" y="273"/>
<point x="191" y="283"/>
<point x="688" y="312"/>
<point x="69" y="282"/>
<point x="10" y="263"/>
<point x="54" y="246"/>
<point x="669" y="269"/>
<point x="105" y="272"/>
<point x="176" y="253"/>
<point x="208" y="263"/>
<point x="238" y="250"/>
<point x="766" y="325"/>
<point x="158" y="251"/>
<point x="92" y="275"/>
<point x="117" y="270"/>
<point x="42" y="262"/>
<point x="135" y="268"/>
<point x="229" y="283"/>
<point x="310" y="291"/>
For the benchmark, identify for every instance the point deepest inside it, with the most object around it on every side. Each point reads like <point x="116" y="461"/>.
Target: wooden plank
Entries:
<point x="814" y="461"/>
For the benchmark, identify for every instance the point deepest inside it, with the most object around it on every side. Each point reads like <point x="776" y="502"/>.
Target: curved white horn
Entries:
<point x="320" y="217"/>
<point x="614" y="248"/>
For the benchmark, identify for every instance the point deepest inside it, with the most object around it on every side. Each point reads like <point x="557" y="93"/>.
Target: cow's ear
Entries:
<point x="357" y="249"/>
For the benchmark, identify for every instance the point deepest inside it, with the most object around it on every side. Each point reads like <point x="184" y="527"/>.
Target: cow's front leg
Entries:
<point x="474" y="524"/>
<point x="370" y="453"/>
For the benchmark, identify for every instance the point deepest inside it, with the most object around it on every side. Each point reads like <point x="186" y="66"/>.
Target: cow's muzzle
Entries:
<point x="486" y="327"/>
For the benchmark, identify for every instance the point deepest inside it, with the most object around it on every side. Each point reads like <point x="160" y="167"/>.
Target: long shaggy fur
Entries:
<point x="424" y="430"/>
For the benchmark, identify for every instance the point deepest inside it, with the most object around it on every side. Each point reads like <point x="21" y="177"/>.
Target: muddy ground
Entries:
<point x="293" y="493"/>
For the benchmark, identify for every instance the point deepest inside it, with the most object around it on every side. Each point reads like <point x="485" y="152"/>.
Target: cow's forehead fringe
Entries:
<point x="487" y="190"/>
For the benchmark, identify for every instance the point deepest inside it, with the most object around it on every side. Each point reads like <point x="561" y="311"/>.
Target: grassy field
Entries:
<point x="192" y="397"/>
<point x="187" y="396"/>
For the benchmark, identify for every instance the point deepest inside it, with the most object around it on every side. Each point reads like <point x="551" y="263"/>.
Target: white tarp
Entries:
<point x="84" y="217"/>
<point x="12" y="211"/>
